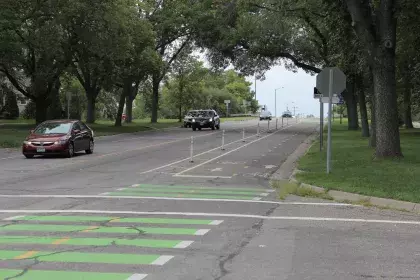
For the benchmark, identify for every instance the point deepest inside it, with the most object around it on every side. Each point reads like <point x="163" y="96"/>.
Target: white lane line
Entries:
<point x="270" y="190"/>
<point x="203" y="176"/>
<point x="121" y="189"/>
<point x="256" y="198"/>
<point x="171" y="198"/>
<point x="183" y="244"/>
<point x="188" y="158"/>
<point x="264" y="194"/>
<point x="224" y="154"/>
<point x="227" y="215"/>
<point x="13" y="218"/>
<point x="162" y="260"/>
<point x="216" y="222"/>
<point x="201" y="232"/>
<point x="135" y="185"/>
<point x="137" y="277"/>
<point x="105" y="193"/>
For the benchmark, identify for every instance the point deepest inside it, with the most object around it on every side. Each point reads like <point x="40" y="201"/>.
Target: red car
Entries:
<point x="59" y="137"/>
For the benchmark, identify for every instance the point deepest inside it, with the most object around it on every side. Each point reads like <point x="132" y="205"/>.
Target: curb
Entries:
<point x="360" y="199"/>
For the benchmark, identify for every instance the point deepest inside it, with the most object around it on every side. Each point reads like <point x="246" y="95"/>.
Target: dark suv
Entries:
<point x="205" y="119"/>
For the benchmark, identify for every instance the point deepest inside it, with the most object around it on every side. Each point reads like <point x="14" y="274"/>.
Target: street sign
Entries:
<point x="227" y="101"/>
<point x="317" y="94"/>
<point x="338" y="81"/>
<point x="335" y="100"/>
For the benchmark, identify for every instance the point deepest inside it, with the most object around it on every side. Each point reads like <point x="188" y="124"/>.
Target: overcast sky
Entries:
<point x="297" y="88"/>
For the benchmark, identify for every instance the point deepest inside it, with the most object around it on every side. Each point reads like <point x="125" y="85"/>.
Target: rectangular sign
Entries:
<point x="335" y="100"/>
<point x="227" y="101"/>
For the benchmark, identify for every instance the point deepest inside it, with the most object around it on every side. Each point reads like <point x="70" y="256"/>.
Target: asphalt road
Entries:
<point x="139" y="209"/>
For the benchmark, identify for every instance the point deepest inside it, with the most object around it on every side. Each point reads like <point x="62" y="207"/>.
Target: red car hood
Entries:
<point x="45" y="138"/>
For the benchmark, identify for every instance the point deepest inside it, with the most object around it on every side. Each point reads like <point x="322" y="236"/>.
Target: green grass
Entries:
<point x="12" y="133"/>
<point x="354" y="168"/>
<point x="237" y="119"/>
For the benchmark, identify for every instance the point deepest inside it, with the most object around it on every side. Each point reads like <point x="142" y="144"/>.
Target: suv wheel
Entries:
<point x="194" y="128"/>
<point x="91" y="146"/>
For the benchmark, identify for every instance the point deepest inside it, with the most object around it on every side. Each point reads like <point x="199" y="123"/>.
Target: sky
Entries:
<point x="297" y="91"/>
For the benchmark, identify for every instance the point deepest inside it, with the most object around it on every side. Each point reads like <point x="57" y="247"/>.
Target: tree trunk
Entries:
<point x="91" y="106"/>
<point x="155" y="98"/>
<point x="351" y="103"/>
<point x="363" y="112"/>
<point x="408" y="121"/>
<point x="372" y="139"/>
<point x="386" y="109"/>
<point x="118" y="119"/>
<point x="128" y="109"/>
<point x="41" y="106"/>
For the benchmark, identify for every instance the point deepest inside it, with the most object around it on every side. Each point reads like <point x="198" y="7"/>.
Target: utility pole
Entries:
<point x="275" y="100"/>
<point x="255" y="85"/>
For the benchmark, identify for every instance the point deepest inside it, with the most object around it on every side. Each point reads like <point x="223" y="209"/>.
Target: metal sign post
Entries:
<point x="330" y="82"/>
<point x="243" y="134"/>
<point x="321" y="125"/>
<point x="277" y="120"/>
<point x="330" y="111"/>
<point x="258" y="129"/>
<point x="227" y="107"/>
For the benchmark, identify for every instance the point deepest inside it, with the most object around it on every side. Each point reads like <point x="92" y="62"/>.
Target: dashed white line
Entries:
<point x="224" y="154"/>
<point x="183" y="244"/>
<point x="256" y="198"/>
<point x="13" y="218"/>
<point x="105" y="193"/>
<point x="162" y="260"/>
<point x="264" y="194"/>
<point x="201" y="232"/>
<point x="137" y="277"/>
<point x="216" y="222"/>
<point x="121" y="189"/>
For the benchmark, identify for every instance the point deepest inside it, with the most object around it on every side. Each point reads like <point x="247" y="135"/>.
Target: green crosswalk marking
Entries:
<point x="150" y="243"/>
<point x="62" y="275"/>
<point x="214" y="196"/>
<point x="195" y="191"/>
<point x="199" y="188"/>
<point x="115" y="220"/>
<point x="77" y="257"/>
<point x="99" y="229"/>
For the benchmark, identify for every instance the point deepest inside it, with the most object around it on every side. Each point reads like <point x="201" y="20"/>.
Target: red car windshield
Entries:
<point x="53" y="128"/>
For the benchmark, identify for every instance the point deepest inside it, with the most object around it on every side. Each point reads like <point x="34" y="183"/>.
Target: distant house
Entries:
<point x="22" y="100"/>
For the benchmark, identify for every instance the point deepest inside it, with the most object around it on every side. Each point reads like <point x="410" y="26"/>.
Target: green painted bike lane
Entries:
<point x="101" y="229"/>
<point x="183" y="195"/>
<point x="44" y="240"/>
<point x="257" y="190"/>
<point x="194" y="191"/>
<point x="66" y="275"/>
<point x="81" y="257"/>
<point x="114" y="220"/>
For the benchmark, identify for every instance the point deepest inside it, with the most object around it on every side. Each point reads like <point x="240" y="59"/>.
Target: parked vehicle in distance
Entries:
<point x="286" y="115"/>
<point x="265" y="115"/>
<point x="188" y="118"/>
<point x="205" y="119"/>
<point x="59" y="137"/>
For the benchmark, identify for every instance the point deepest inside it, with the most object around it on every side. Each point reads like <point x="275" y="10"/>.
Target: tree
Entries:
<point x="173" y="22"/>
<point x="34" y="50"/>
<point x="102" y="32"/>
<point x="375" y="25"/>
<point x="184" y="84"/>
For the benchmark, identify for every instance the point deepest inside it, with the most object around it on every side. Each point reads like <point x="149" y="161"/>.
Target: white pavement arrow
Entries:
<point x="269" y="166"/>
<point x="216" y="169"/>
